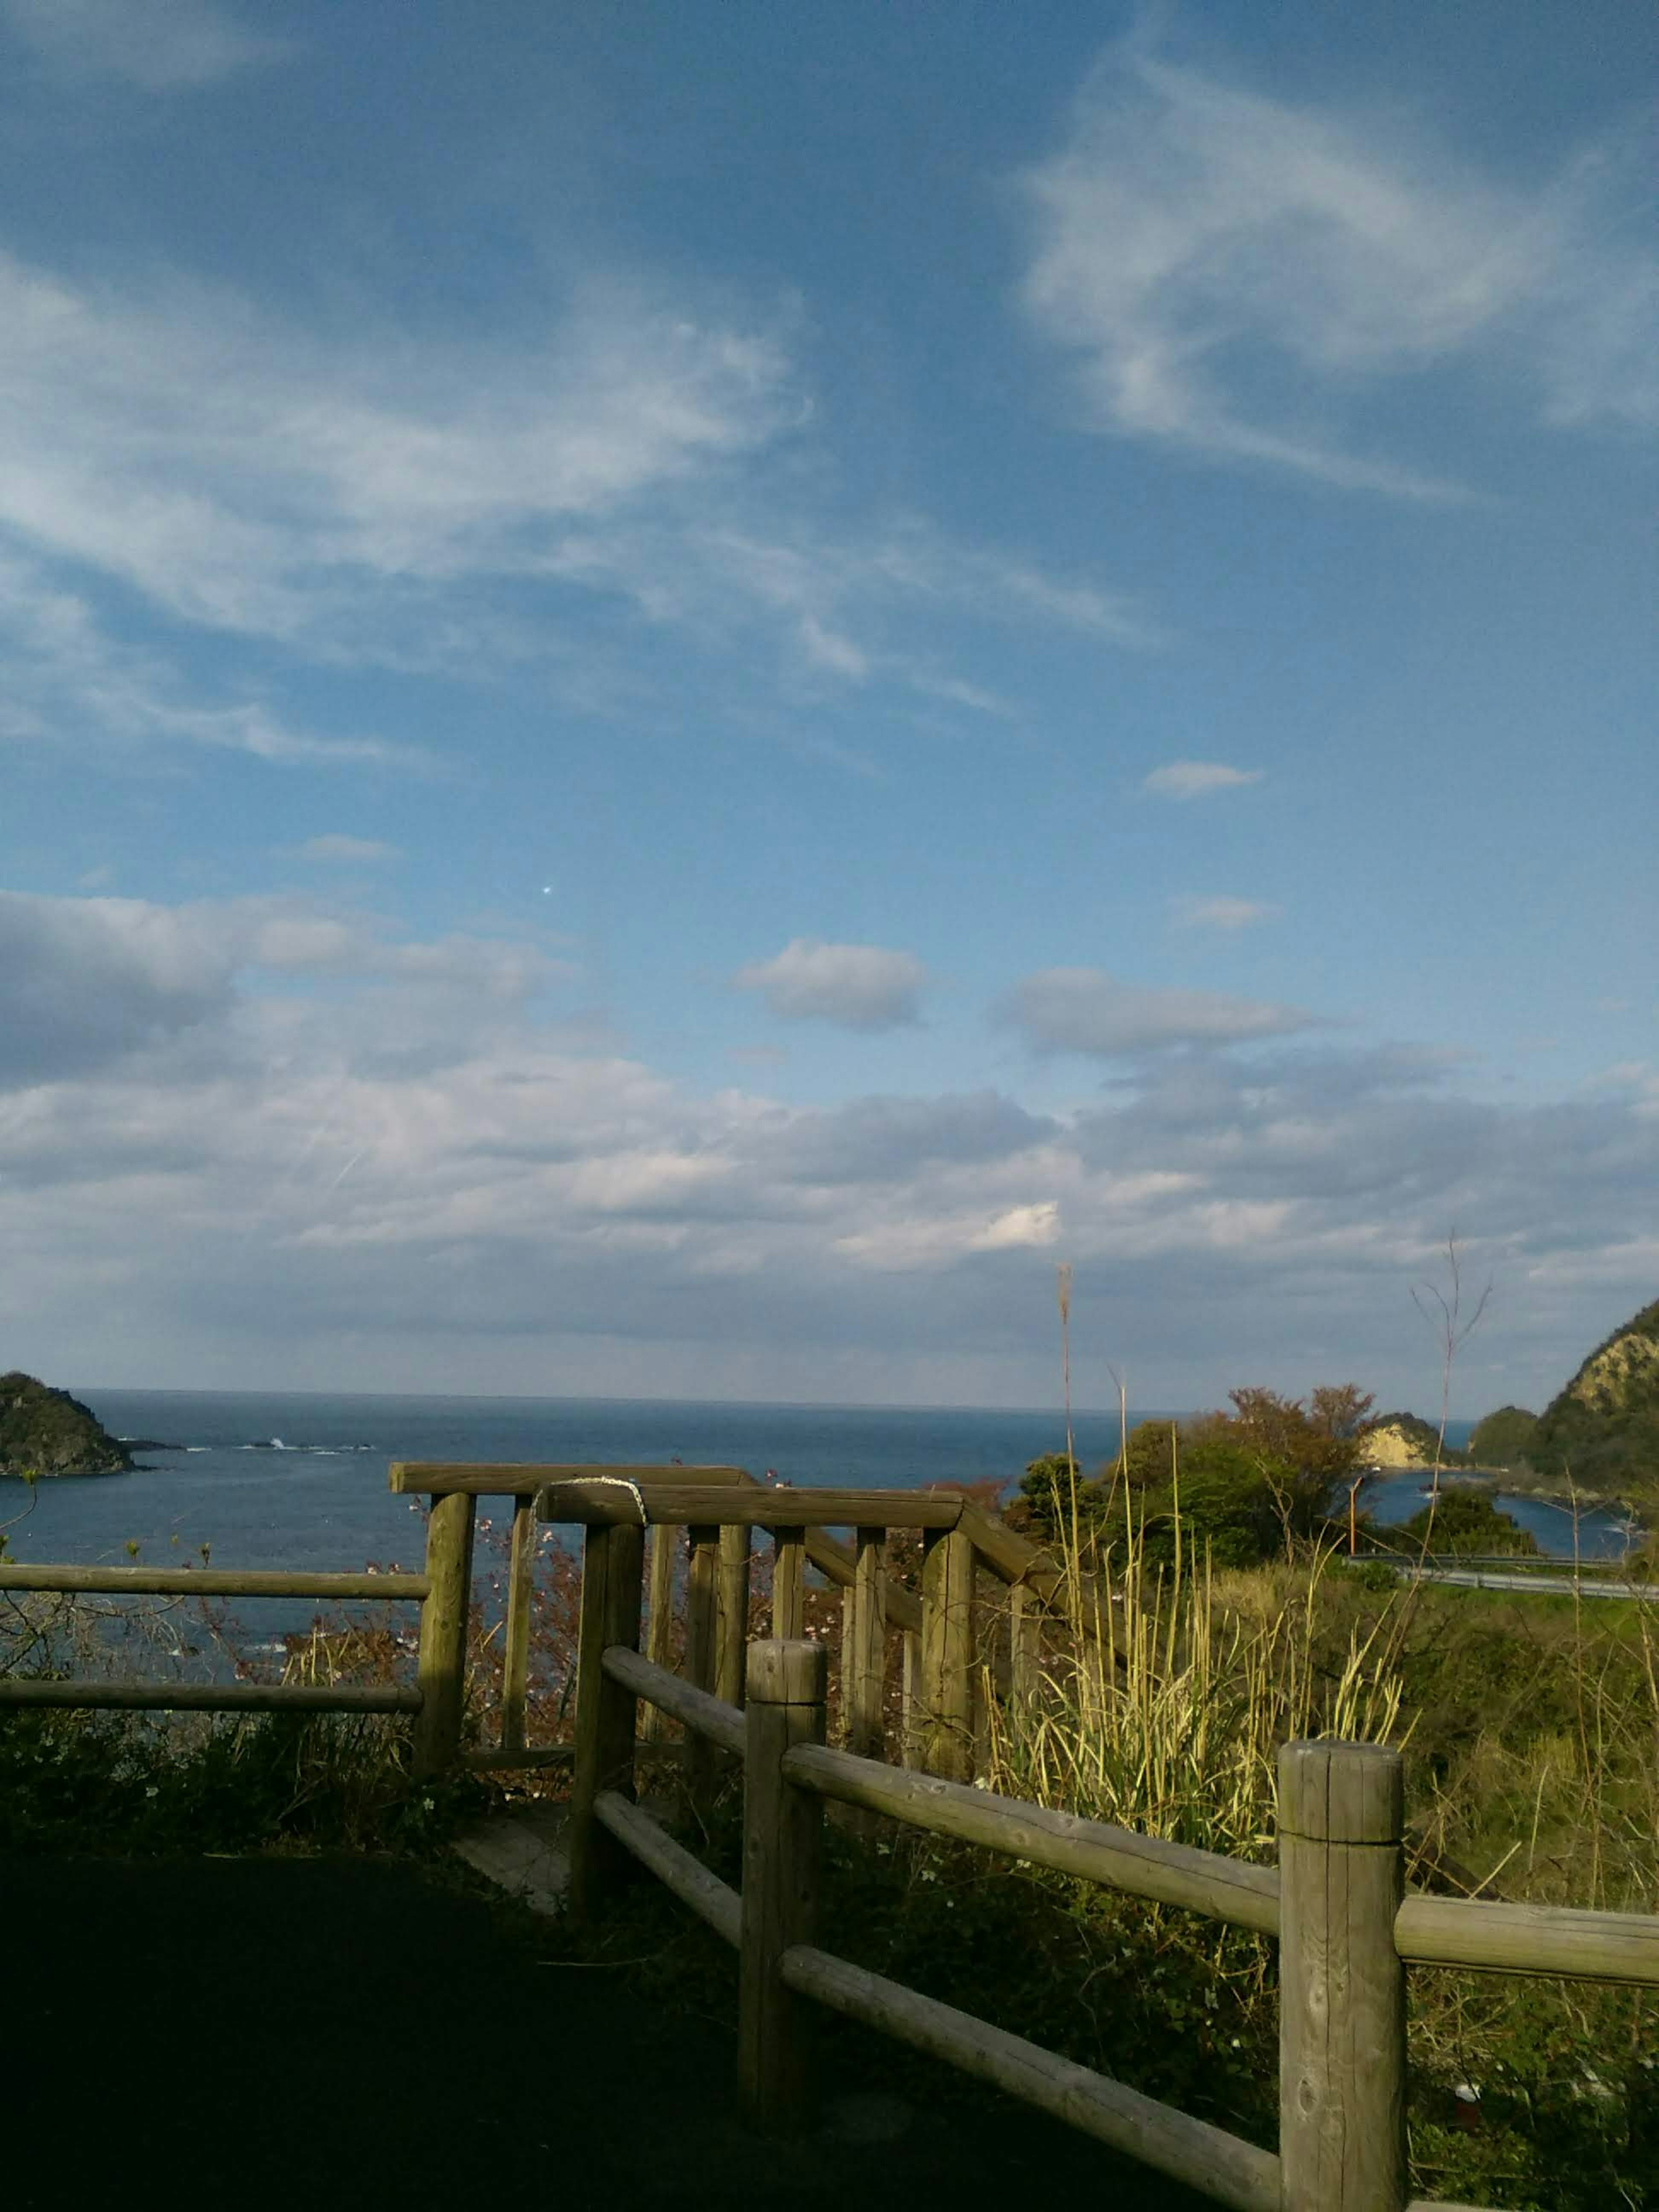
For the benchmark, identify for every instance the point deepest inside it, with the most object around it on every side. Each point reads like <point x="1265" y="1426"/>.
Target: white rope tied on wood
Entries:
<point x="622" y="1482"/>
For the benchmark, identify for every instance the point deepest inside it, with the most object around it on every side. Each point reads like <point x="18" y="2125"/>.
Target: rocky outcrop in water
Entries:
<point x="45" y="1433"/>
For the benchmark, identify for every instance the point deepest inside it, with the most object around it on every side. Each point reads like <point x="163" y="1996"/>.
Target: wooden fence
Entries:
<point x="1347" y="1926"/>
<point x="1337" y="1902"/>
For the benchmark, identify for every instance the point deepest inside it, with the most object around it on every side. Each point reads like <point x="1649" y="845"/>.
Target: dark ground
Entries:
<point x="259" y="2031"/>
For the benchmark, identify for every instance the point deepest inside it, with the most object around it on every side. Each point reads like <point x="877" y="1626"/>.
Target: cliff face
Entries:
<point x="46" y="1432"/>
<point x="1403" y="1440"/>
<point x="1603" y="1429"/>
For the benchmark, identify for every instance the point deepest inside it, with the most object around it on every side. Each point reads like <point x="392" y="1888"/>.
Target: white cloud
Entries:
<point x="1223" y="912"/>
<point x="859" y="987"/>
<point x="89" y="982"/>
<point x="1187" y="229"/>
<point x="364" y="497"/>
<point x="67" y="678"/>
<point x="1197" y="779"/>
<point x="249" y="476"/>
<point x="1084" y="1010"/>
<point x="158" y="45"/>
<point x="335" y="848"/>
<point x="84" y="982"/>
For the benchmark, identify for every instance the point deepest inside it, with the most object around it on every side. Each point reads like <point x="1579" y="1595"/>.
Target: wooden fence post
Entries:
<point x="947" y="1654"/>
<point x="864" y="1668"/>
<point x="1342" y="1987"/>
<point x="910" y="1697"/>
<point x="664" y="1542"/>
<point x="442" y="1663"/>
<point x="612" y="1561"/>
<point x="515" y="1635"/>
<point x="782" y="1829"/>
<point x="701" y="1599"/>
<point x="1022" y="1628"/>
<point x="788" y="1587"/>
<point x="732" y="1613"/>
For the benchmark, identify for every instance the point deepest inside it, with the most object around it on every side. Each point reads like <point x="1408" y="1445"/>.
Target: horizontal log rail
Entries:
<point x="1224" y="2166"/>
<point x="508" y="1479"/>
<point x="709" y="1897"/>
<point x="209" y="1582"/>
<point x="1222" y="1888"/>
<point x="91" y="1695"/>
<point x="1530" y="1938"/>
<point x="683" y="1701"/>
<point x="616" y="1501"/>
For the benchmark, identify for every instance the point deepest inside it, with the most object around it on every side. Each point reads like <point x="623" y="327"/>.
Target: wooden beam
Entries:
<point x="864" y="1665"/>
<point x="610" y="1503"/>
<point x="662" y="1546"/>
<point x="209" y="1697"/>
<point x="699" y="1713"/>
<point x="782" y="1829"/>
<point x="613" y="1565"/>
<point x="510" y="1479"/>
<point x="675" y="1867"/>
<point x="1218" y="2166"/>
<point x="1530" y="1938"/>
<point x="209" y="1582"/>
<point x="732" y="1613"/>
<point x="515" y="1635"/>
<point x="444" y="1613"/>
<point x="947" y="1651"/>
<point x="1210" y="1882"/>
<point x="702" y="1604"/>
<point x="1341" y="1986"/>
<point x="788" y="1593"/>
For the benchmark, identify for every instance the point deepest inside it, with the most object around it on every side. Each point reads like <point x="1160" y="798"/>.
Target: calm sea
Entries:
<point x="274" y="1480"/>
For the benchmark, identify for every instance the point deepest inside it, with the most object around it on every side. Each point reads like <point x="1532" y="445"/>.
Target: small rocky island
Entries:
<point x="45" y="1432"/>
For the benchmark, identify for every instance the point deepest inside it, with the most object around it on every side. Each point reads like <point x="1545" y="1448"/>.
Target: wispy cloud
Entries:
<point x="443" y="504"/>
<point x="1084" y="1010"/>
<point x="1197" y="779"/>
<point x="66" y="676"/>
<point x="858" y="986"/>
<point x="1190" y="233"/>
<point x="1223" y="912"/>
<point x="157" y="45"/>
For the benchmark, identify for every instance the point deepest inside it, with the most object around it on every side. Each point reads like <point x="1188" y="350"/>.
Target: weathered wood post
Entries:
<point x="732" y="1613"/>
<point x="783" y="1830"/>
<point x="515" y="1635"/>
<point x="613" y="1560"/>
<point x="441" y="1667"/>
<point x="1022" y="1626"/>
<point x="864" y="1679"/>
<point x="947" y="1654"/>
<point x="789" y="1584"/>
<point x="701" y="1600"/>
<point x="910" y="1697"/>
<point x="664" y="1543"/>
<point x="1342" y="1987"/>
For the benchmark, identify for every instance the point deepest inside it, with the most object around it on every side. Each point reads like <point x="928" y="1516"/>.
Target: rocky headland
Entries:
<point x="46" y="1433"/>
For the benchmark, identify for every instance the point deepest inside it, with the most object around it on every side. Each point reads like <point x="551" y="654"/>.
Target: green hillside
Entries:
<point x="1603" y="1429"/>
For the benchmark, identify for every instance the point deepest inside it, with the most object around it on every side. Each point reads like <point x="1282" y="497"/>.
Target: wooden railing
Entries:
<point x="1337" y="1901"/>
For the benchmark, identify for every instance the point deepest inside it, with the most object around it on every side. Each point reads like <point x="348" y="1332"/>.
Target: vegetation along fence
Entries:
<point x="1347" y="1927"/>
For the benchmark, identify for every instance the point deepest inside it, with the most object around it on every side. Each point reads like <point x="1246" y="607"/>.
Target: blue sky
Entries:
<point x="690" y="690"/>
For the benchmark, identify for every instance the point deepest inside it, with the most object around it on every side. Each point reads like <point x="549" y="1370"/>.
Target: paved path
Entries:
<point x="266" y="2032"/>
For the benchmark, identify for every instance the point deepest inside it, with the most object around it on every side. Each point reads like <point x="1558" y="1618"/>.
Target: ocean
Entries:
<point x="299" y="1480"/>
